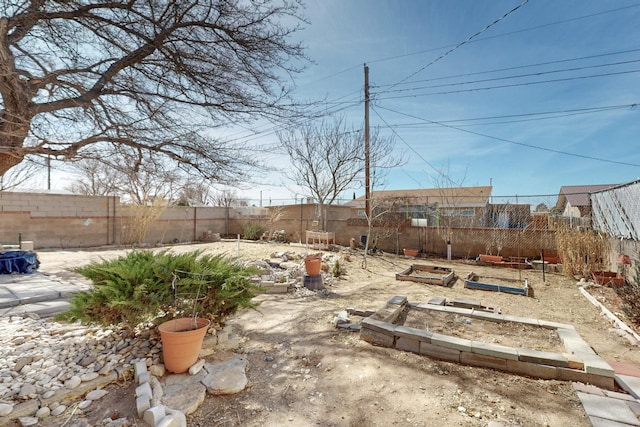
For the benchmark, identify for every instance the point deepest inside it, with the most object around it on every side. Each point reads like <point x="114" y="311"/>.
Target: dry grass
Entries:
<point x="581" y="251"/>
<point x="139" y="219"/>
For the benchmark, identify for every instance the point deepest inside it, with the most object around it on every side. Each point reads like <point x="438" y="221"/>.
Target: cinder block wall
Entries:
<point x="57" y="220"/>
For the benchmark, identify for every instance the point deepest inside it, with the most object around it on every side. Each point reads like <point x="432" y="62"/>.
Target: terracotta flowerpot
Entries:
<point x="313" y="265"/>
<point x="181" y="342"/>
<point x="410" y="252"/>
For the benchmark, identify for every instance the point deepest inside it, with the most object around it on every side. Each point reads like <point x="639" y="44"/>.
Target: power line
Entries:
<point x="537" y="27"/>
<point x="552" y="115"/>
<point x="517" y="67"/>
<point x="551" y="150"/>
<point x="517" y="76"/>
<point x="619" y="73"/>
<point x="486" y="27"/>
<point x="439" y="172"/>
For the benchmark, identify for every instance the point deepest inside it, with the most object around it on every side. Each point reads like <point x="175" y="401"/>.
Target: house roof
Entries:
<point x="578" y="195"/>
<point x="445" y="197"/>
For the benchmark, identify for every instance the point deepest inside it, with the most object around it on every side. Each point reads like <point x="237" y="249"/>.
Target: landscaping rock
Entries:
<point x="227" y="377"/>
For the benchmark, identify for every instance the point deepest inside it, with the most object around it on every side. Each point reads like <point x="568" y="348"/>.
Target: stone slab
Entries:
<point x="184" y="397"/>
<point x="624" y="368"/>
<point x="437" y="301"/>
<point x="483" y="361"/>
<point x="532" y="369"/>
<point x="397" y="300"/>
<point x="377" y="338"/>
<point x="428" y="307"/>
<point x="542" y="357"/>
<point x="485" y="315"/>
<point x="7" y="298"/>
<point x="466" y="303"/>
<point x="629" y="383"/>
<point x="227" y="377"/>
<point x="594" y="364"/>
<point x="573" y="342"/>
<point x="456" y="343"/>
<point x="495" y="350"/>
<point x="566" y="374"/>
<point x="377" y="325"/>
<point x="601" y="422"/>
<point x="413" y="333"/>
<point x="608" y="409"/>
<point x="458" y="310"/>
<point x="42" y="309"/>
<point x="523" y="320"/>
<point x="408" y="344"/>
<point x="548" y="324"/>
<point x="439" y="352"/>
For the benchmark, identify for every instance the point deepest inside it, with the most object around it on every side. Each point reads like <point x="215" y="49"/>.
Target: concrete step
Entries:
<point x="44" y="309"/>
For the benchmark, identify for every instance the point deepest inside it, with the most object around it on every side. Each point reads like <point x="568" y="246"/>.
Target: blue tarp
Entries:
<point x="18" y="261"/>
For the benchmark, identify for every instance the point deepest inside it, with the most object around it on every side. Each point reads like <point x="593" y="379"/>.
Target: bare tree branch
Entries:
<point x="77" y="78"/>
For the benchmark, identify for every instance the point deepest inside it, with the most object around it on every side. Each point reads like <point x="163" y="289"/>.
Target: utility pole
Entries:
<point x="367" y="181"/>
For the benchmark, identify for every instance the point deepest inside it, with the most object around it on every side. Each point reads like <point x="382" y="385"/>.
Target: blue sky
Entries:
<point x="524" y="96"/>
<point x="474" y="97"/>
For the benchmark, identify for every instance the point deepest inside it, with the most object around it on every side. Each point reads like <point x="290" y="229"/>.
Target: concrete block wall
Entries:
<point x="60" y="220"/>
<point x="578" y="363"/>
<point x="57" y="220"/>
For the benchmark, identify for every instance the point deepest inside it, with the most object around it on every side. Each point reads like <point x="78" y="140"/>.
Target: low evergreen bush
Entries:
<point x="137" y="288"/>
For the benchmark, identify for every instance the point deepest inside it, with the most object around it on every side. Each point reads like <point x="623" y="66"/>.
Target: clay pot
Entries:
<point x="181" y="342"/>
<point x="313" y="265"/>
<point x="410" y="252"/>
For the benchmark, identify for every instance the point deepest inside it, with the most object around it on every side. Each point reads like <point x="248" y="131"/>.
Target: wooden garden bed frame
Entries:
<point x="435" y="275"/>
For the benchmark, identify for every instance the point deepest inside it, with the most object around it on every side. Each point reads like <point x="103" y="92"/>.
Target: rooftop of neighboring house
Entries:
<point x="445" y="197"/>
<point x="578" y="195"/>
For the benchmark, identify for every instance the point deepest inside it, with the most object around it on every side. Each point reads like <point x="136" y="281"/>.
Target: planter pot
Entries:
<point x="608" y="278"/>
<point x="313" y="265"/>
<point x="410" y="252"/>
<point x="181" y="342"/>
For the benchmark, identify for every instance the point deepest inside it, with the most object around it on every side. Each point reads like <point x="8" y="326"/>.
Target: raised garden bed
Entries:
<point x="573" y="360"/>
<point x="498" y="284"/>
<point x="430" y="274"/>
<point x="498" y="261"/>
<point x="608" y="278"/>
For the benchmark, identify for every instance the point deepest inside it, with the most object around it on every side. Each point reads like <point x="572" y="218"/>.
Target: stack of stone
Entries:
<point x="148" y="396"/>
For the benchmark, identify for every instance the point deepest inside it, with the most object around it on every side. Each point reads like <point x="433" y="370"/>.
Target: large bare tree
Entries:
<point x="327" y="158"/>
<point x="78" y="77"/>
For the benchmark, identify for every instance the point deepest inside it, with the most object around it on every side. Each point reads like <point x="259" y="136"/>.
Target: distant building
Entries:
<point x="573" y="200"/>
<point x="455" y="206"/>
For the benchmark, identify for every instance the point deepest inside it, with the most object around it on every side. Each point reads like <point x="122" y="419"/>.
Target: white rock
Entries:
<point x="96" y="394"/>
<point x="48" y="394"/>
<point x="59" y="410"/>
<point x="196" y="367"/>
<point x="27" y="391"/>
<point x="73" y="382"/>
<point x="89" y="376"/>
<point x="5" y="409"/>
<point x="43" y="412"/>
<point x="28" y="421"/>
<point x="157" y="370"/>
<point x="85" y="404"/>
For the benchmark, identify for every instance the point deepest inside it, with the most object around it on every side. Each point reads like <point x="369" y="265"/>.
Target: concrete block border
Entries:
<point x="578" y="363"/>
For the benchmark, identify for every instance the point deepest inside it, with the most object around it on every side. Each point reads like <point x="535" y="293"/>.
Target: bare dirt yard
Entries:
<point x="303" y="371"/>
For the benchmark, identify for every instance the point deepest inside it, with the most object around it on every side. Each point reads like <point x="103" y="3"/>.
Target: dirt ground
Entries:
<point x="305" y="372"/>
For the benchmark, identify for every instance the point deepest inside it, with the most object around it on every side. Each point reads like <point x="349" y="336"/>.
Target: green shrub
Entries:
<point x="337" y="270"/>
<point x="138" y="288"/>
<point x="252" y="231"/>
